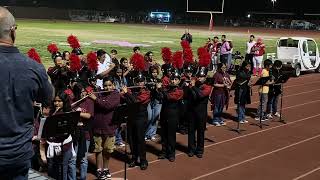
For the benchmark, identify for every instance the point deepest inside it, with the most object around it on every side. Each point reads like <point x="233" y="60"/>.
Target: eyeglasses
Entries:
<point x="14" y="27"/>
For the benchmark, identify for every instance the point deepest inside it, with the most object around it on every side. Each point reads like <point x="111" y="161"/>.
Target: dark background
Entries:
<point x="232" y="7"/>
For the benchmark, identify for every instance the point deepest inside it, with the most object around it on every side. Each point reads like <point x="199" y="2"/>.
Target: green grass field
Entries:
<point x="38" y="34"/>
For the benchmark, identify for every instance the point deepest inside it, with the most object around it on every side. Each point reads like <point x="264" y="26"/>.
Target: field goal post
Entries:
<point x="207" y="12"/>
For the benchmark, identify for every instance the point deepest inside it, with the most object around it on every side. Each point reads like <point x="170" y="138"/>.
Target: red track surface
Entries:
<point x="279" y="151"/>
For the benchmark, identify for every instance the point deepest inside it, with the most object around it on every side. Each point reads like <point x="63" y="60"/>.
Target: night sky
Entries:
<point x="232" y="7"/>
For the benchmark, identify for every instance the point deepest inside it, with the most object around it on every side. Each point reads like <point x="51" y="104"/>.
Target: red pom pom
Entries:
<point x="204" y="57"/>
<point x="52" y="48"/>
<point x="166" y="55"/>
<point x="177" y="60"/>
<point x="137" y="60"/>
<point x="75" y="64"/>
<point x="185" y="44"/>
<point x="92" y="61"/>
<point x="32" y="53"/>
<point x="73" y="42"/>
<point x="188" y="56"/>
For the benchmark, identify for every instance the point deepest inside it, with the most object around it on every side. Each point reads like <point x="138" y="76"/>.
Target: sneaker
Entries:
<point x="269" y="116"/>
<point x="257" y="118"/>
<point x="199" y="156"/>
<point x="242" y="122"/>
<point x="101" y="175"/>
<point x="216" y="124"/>
<point x="147" y="139"/>
<point x="144" y="166"/>
<point x="245" y="121"/>
<point x="276" y="114"/>
<point x="121" y="144"/>
<point x="107" y="174"/>
<point x="223" y="123"/>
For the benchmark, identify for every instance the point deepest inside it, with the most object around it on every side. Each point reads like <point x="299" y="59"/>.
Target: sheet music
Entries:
<point x="42" y="121"/>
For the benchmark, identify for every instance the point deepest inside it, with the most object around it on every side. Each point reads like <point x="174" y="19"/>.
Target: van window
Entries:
<point x="312" y="47"/>
<point x="304" y="47"/>
<point x="288" y="43"/>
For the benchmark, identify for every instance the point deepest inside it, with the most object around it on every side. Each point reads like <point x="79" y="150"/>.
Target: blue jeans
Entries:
<point x="241" y="108"/>
<point x="154" y="109"/>
<point x="218" y="108"/>
<point x="72" y="174"/>
<point x="272" y="106"/>
<point x="55" y="162"/>
<point x="263" y="99"/>
<point x="229" y="62"/>
<point x="17" y="171"/>
<point x="118" y="139"/>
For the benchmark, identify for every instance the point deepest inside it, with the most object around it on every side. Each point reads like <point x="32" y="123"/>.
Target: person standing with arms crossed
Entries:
<point x="22" y="81"/>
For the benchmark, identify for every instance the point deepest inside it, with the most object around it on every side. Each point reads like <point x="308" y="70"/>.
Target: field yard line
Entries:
<point x="235" y="138"/>
<point x="257" y="157"/>
<point x="306" y="174"/>
<point x="304" y="92"/>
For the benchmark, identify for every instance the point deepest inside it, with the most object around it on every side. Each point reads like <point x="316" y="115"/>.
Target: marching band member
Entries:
<point x="54" y="154"/>
<point x="103" y="127"/>
<point x="59" y="73"/>
<point x="199" y="96"/>
<point x="137" y="100"/>
<point x="82" y="136"/>
<point x="171" y="97"/>
<point x="166" y="67"/>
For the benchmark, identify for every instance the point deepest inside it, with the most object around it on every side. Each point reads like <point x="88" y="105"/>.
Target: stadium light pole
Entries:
<point x="273" y="1"/>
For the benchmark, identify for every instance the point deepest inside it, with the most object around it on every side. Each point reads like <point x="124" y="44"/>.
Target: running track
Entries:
<point x="278" y="151"/>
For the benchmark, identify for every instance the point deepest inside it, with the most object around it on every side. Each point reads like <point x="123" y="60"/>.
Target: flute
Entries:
<point x="87" y="97"/>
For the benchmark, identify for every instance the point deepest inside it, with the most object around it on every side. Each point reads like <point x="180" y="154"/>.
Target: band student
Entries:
<point x="171" y="97"/>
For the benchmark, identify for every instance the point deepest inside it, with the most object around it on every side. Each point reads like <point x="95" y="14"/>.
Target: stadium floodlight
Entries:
<point x="249" y="16"/>
<point x="151" y="15"/>
<point x="160" y="15"/>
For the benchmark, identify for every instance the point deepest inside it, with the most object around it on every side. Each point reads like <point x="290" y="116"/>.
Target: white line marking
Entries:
<point x="305" y="92"/>
<point x="308" y="173"/>
<point x="256" y="157"/>
<point x="235" y="138"/>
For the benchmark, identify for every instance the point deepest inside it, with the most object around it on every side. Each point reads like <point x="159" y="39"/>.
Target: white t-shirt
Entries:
<point x="103" y="67"/>
<point x="249" y="46"/>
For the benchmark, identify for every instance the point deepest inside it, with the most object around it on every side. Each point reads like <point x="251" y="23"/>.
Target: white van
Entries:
<point x="299" y="53"/>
